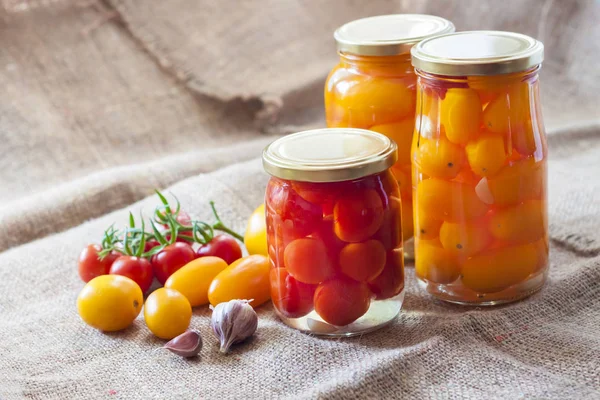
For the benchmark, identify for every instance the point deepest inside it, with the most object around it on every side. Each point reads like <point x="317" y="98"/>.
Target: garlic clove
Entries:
<point x="483" y="192"/>
<point x="233" y="322"/>
<point x="188" y="344"/>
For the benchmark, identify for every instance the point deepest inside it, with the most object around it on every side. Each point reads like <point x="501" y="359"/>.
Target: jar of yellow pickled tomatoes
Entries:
<point x="373" y="87"/>
<point x="479" y="168"/>
<point x="333" y="216"/>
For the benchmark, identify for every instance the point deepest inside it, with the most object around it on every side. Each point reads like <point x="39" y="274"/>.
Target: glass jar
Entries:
<point x="373" y="87"/>
<point x="479" y="168"/>
<point x="333" y="216"/>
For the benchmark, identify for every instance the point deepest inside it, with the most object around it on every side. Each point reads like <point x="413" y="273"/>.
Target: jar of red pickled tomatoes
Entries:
<point x="333" y="229"/>
<point x="373" y="87"/>
<point x="479" y="168"/>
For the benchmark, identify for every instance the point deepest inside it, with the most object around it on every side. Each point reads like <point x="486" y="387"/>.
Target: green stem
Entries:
<point x="220" y="226"/>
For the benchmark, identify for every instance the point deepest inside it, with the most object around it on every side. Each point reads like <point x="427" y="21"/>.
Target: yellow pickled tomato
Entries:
<point x="524" y="139"/>
<point x="498" y="269"/>
<point x="434" y="263"/>
<point x="401" y="133"/>
<point x="426" y="122"/>
<point x="463" y="239"/>
<point x="372" y="101"/>
<point x="426" y="225"/>
<point x="461" y="115"/>
<point x="486" y="155"/>
<point x="523" y="180"/>
<point x="525" y="223"/>
<point x="487" y="87"/>
<point x="439" y="158"/>
<point x="510" y="114"/>
<point x="449" y="200"/>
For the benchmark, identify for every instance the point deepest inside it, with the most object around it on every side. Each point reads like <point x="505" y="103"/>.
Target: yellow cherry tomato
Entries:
<point x="401" y="133"/>
<point x="255" y="237"/>
<point x="524" y="223"/>
<point x="464" y="239"/>
<point x="110" y="302"/>
<point x="450" y="201"/>
<point x="193" y="279"/>
<point x="498" y="269"/>
<point x="167" y="313"/>
<point x="486" y="155"/>
<point x="460" y="114"/>
<point x="245" y="279"/>
<point x="439" y="158"/>
<point x="434" y="263"/>
<point x="522" y="180"/>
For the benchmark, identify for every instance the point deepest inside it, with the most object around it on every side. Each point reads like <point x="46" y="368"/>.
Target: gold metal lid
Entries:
<point x="388" y="35"/>
<point x="329" y="155"/>
<point x="477" y="53"/>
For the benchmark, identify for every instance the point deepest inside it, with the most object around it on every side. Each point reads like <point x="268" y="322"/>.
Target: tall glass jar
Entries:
<point x="479" y="168"/>
<point x="333" y="229"/>
<point x="373" y="87"/>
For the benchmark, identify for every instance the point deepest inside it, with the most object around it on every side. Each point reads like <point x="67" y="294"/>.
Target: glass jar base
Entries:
<point x="380" y="314"/>
<point x="458" y="294"/>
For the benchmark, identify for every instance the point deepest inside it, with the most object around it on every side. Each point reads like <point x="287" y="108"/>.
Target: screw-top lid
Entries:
<point x="477" y="53"/>
<point x="388" y="35"/>
<point x="329" y="155"/>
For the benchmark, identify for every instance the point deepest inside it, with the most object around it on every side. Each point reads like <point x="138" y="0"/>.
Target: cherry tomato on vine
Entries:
<point x="223" y="246"/>
<point x="90" y="266"/>
<point x="170" y="259"/>
<point x="135" y="268"/>
<point x="150" y="244"/>
<point x="183" y="218"/>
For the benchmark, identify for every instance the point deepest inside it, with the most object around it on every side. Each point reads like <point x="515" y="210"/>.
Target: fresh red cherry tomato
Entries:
<point x="341" y="301"/>
<point x="90" y="266"/>
<point x="135" y="268"/>
<point x="150" y="244"/>
<point x="183" y="218"/>
<point x="292" y="298"/>
<point x="223" y="246"/>
<point x="170" y="259"/>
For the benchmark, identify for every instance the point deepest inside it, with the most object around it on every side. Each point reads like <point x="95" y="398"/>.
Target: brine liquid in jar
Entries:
<point x="373" y="87"/>
<point x="480" y="168"/>
<point x="333" y="215"/>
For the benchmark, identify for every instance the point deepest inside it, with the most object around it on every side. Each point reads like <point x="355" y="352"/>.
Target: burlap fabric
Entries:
<point x="94" y="116"/>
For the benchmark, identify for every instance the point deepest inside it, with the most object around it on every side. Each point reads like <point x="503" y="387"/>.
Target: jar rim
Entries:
<point x="387" y="35"/>
<point x="329" y="155"/>
<point x="480" y="53"/>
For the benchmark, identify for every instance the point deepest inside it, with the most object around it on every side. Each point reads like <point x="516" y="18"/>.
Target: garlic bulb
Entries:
<point x="233" y="322"/>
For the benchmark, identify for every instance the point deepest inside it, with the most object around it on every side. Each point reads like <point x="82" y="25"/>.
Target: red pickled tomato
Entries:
<point x="391" y="280"/>
<point x="357" y="216"/>
<point x="319" y="193"/>
<point x="364" y="261"/>
<point x="341" y="301"/>
<point x="325" y="232"/>
<point x="307" y="260"/>
<point x="292" y="298"/>
<point x="299" y="216"/>
<point x="390" y="232"/>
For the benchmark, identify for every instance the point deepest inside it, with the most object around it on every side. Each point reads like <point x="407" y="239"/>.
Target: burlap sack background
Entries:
<point x="94" y="116"/>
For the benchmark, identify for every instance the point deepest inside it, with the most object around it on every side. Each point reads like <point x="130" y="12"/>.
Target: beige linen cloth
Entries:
<point x="101" y="102"/>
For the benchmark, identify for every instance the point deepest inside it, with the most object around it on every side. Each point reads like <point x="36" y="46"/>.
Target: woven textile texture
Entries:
<point x="105" y="101"/>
